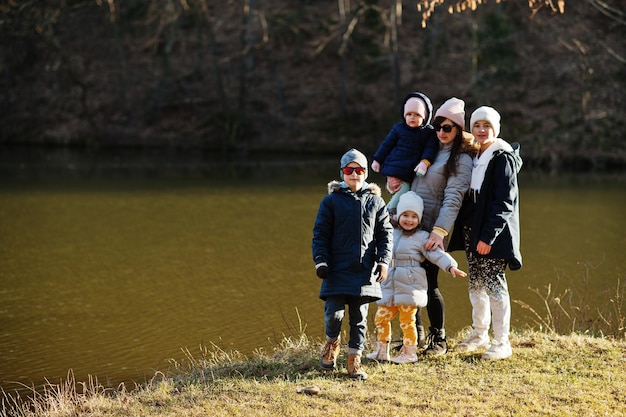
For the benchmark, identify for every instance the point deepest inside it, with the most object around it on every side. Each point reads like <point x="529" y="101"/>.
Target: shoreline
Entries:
<point x="548" y="374"/>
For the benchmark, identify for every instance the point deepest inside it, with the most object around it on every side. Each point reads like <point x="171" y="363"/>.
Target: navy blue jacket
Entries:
<point x="494" y="218"/>
<point x="351" y="234"/>
<point x="404" y="147"/>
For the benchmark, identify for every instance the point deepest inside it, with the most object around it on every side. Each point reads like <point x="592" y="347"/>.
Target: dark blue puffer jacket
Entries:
<point x="404" y="147"/>
<point x="494" y="218"/>
<point x="351" y="234"/>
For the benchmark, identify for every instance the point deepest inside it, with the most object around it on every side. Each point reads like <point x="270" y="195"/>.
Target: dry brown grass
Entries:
<point x="548" y="374"/>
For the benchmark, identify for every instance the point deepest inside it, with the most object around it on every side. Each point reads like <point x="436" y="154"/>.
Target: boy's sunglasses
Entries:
<point x="445" y="128"/>
<point x="350" y="170"/>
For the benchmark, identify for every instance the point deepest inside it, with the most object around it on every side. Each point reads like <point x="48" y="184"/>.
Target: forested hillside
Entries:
<point x="289" y="75"/>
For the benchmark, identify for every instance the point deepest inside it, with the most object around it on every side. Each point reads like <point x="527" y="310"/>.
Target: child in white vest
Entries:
<point x="404" y="291"/>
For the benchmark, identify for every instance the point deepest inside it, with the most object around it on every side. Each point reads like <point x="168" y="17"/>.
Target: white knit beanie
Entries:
<point x="410" y="201"/>
<point x="415" y="105"/>
<point x="453" y="109"/>
<point x="489" y="114"/>
<point x="353" y="155"/>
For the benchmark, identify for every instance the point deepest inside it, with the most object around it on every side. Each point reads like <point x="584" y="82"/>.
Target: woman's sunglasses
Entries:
<point x="445" y="128"/>
<point x="350" y="170"/>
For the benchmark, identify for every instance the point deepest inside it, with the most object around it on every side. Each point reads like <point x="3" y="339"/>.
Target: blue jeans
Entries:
<point x="334" y="311"/>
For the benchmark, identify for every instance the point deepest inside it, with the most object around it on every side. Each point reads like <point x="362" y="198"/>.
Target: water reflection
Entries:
<point x="112" y="277"/>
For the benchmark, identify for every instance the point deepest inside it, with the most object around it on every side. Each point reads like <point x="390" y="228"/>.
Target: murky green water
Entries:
<point x="113" y="278"/>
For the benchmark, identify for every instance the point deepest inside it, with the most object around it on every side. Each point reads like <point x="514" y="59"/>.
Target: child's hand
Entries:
<point x="455" y="271"/>
<point x="375" y="166"/>
<point x="321" y="271"/>
<point x="483" y="248"/>
<point x="380" y="272"/>
<point x="421" y="169"/>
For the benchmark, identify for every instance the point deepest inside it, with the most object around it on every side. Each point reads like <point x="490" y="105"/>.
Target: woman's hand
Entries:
<point x="434" y="241"/>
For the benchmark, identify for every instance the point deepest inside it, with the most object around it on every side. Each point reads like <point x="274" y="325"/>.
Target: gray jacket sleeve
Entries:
<point x="454" y="193"/>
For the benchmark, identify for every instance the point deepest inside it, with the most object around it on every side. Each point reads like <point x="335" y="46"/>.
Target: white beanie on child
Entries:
<point x="453" y="109"/>
<point x="410" y="201"/>
<point x="415" y="105"/>
<point x="490" y="115"/>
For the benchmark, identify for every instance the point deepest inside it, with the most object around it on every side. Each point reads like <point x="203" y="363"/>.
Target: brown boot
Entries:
<point x="355" y="369"/>
<point x="331" y="350"/>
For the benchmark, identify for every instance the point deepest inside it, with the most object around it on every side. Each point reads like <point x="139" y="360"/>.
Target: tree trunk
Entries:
<point x="344" y="7"/>
<point x="247" y="58"/>
<point x="217" y="73"/>
<point x="396" y="10"/>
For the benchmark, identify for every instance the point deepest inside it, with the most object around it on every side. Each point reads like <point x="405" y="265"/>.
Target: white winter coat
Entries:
<point x="406" y="281"/>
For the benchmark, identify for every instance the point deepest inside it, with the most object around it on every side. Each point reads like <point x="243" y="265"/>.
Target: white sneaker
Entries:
<point x="473" y="342"/>
<point x="381" y="353"/>
<point x="408" y="354"/>
<point x="498" y="350"/>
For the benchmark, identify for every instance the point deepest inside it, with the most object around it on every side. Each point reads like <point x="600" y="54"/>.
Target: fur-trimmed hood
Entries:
<point x="334" y="186"/>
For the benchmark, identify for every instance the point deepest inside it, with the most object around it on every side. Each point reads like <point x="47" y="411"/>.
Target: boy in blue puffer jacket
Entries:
<point x="352" y="243"/>
<point x="409" y="147"/>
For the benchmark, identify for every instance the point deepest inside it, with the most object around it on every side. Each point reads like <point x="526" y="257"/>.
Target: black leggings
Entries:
<point x="435" y="306"/>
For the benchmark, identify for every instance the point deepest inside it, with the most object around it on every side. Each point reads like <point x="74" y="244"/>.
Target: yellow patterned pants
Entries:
<point x="383" y="318"/>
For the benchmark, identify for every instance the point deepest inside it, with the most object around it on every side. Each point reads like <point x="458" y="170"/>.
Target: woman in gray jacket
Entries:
<point x="443" y="189"/>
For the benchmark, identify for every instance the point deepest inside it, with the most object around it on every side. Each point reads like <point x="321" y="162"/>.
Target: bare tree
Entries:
<point x="344" y="8"/>
<point x="609" y="11"/>
<point x="395" y="22"/>
<point x="426" y="7"/>
<point x="247" y="57"/>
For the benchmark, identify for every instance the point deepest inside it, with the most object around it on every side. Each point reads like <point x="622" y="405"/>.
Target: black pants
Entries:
<point x="435" y="306"/>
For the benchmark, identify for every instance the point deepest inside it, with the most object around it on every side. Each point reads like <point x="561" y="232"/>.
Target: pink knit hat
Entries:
<point x="453" y="109"/>
<point x="416" y="105"/>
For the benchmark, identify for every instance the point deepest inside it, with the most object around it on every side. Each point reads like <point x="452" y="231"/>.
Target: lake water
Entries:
<point x="111" y="267"/>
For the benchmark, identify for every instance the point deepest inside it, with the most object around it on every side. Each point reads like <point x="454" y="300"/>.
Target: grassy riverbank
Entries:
<point x="548" y="374"/>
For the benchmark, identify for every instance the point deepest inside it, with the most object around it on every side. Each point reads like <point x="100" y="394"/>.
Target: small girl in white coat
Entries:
<point x="404" y="291"/>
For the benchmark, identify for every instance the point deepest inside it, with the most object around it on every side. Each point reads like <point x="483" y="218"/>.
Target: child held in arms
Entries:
<point x="409" y="148"/>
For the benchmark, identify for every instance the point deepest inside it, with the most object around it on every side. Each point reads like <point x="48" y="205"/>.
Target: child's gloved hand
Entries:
<point x="321" y="271"/>
<point x="421" y="169"/>
<point x="375" y="166"/>
<point x="380" y="272"/>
